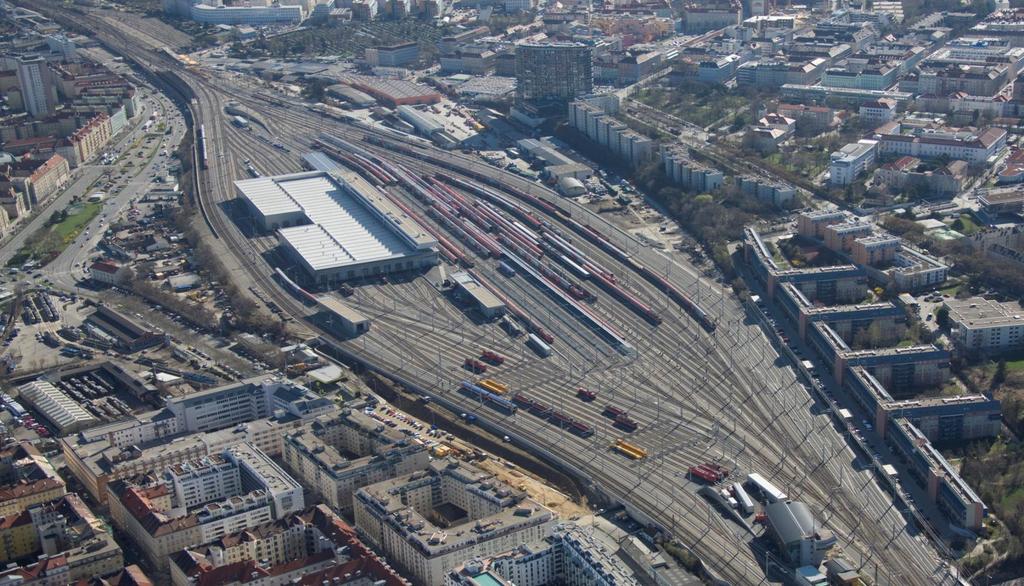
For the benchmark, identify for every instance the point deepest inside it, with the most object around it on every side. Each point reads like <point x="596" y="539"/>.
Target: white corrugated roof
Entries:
<point x="268" y="198"/>
<point x="343" y="230"/>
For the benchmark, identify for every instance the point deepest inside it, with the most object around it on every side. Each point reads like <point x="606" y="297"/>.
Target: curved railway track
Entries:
<point x="693" y="392"/>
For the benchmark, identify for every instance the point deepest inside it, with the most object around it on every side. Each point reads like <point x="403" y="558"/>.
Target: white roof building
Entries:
<point x="59" y="409"/>
<point x="338" y="226"/>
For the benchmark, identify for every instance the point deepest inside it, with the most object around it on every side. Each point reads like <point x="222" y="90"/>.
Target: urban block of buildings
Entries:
<point x="593" y="117"/>
<point x="257" y="411"/>
<point x="309" y="547"/>
<point x="428" y="522"/>
<point x="570" y="555"/>
<point x="26" y="479"/>
<point x="201" y="500"/>
<point x="335" y="455"/>
<point x="64" y="541"/>
<point x="885" y="380"/>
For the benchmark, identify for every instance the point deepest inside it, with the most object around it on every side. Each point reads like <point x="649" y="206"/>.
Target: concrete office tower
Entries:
<point x="558" y="72"/>
<point x="36" y="85"/>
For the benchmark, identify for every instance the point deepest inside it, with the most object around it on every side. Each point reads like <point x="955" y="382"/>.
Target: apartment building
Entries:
<point x="190" y="427"/>
<point x="393" y="517"/>
<point x="594" y="119"/>
<point x="202" y="500"/>
<point x="943" y="485"/>
<point x="877" y="111"/>
<point x="840" y="237"/>
<point x="986" y="326"/>
<point x="86" y="142"/>
<point x="810" y="117"/>
<point x="876" y="249"/>
<point x="813" y="224"/>
<point x="396" y="55"/>
<point x="570" y="555"/>
<point x="849" y="162"/>
<point x="68" y="541"/>
<point x="26" y="479"/>
<point x="708" y="16"/>
<point x="691" y="175"/>
<point x="559" y="72"/>
<point x="310" y="547"/>
<point x="336" y="455"/>
<point x="777" y="193"/>
<point x="776" y="73"/>
<point x="976" y="146"/>
<point x="857" y="76"/>
<point x="247" y="15"/>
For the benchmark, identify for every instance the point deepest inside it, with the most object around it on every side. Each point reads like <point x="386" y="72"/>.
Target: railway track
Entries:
<point x="693" y="430"/>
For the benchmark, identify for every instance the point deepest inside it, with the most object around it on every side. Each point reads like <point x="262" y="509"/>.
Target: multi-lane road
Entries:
<point x="698" y="397"/>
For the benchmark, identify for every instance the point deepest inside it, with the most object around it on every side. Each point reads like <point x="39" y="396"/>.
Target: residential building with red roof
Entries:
<point x="309" y="547"/>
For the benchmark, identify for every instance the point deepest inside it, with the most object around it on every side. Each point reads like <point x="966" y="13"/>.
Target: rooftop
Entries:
<point x="351" y="222"/>
<point x="979" y="313"/>
<point x="513" y="509"/>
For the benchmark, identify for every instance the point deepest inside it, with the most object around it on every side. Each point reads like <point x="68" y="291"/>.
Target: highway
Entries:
<point x="698" y="397"/>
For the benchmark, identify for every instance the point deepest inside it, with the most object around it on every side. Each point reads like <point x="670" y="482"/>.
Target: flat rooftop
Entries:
<point x="350" y="221"/>
<point x="979" y="313"/>
<point x="338" y="307"/>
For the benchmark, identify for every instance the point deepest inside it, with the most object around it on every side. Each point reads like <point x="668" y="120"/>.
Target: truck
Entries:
<point x="468" y="417"/>
<point x="538" y="346"/>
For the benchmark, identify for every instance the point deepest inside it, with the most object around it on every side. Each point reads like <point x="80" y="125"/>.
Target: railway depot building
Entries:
<point x="336" y="226"/>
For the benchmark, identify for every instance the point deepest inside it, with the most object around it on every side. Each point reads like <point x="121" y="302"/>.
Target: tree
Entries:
<point x="942" y="317"/>
<point x="1000" y="375"/>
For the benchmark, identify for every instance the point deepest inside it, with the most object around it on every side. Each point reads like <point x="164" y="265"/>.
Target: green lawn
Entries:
<point x="76" y="221"/>
<point x="696" y="103"/>
<point x="49" y="242"/>
<point x="1015" y="365"/>
<point x="966" y="225"/>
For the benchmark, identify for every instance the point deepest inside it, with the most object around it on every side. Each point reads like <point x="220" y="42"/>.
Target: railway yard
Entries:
<point x="639" y="368"/>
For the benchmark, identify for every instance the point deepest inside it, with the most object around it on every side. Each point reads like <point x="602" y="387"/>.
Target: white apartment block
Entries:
<point x="202" y="500"/>
<point x="851" y="160"/>
<point x="592" y="118"/>
<point x="973" y="146"/>
<point x="571" y="555"/>
<point x="981" y="325"/>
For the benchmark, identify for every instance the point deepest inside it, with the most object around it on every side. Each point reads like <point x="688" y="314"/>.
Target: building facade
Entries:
<point x="391" y="516"/>
<point x="557" y="72"/>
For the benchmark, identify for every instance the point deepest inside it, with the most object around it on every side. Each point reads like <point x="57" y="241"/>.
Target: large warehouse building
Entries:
<point x="337" y="226"/>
